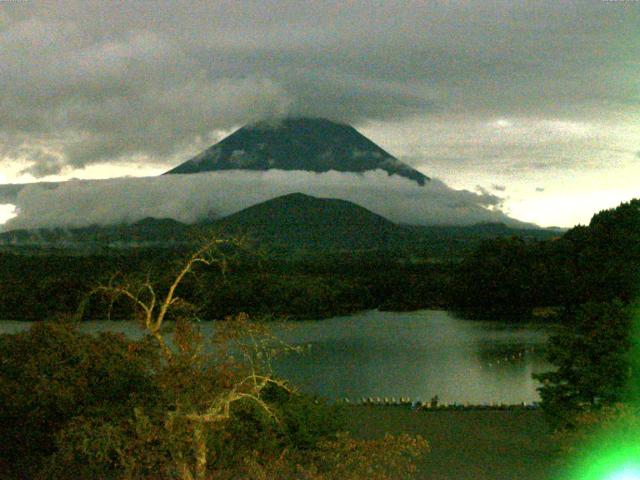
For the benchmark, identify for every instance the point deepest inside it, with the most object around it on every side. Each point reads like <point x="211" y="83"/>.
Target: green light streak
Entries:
<point x="613" y="453"/>
<point x="617" y="462"/>
<point x="628" y="473"/>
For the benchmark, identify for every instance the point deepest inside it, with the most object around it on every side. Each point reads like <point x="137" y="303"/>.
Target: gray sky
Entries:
<point x="535" y="102"/>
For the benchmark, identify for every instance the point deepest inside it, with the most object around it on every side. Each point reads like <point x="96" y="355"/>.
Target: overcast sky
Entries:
<point x="534" y="102"/>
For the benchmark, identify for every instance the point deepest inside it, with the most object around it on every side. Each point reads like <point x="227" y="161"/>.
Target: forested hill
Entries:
<point x="597" y="262"/>
<point x="298" y="221"/>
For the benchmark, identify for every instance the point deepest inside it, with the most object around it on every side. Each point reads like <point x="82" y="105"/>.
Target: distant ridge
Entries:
<point x="148" y="230"/>
<point x="288" y="223"/>
<point x="311" y="144"/>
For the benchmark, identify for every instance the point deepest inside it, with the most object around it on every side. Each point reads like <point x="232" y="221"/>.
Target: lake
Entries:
<point x="407" y="354"/>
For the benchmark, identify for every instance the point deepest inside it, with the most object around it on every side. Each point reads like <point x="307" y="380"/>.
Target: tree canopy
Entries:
<point x="174" y="404"/>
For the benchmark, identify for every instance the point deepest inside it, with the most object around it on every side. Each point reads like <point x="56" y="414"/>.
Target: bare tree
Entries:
<point x="185" y="348"/>
<point x="200" y="389"/>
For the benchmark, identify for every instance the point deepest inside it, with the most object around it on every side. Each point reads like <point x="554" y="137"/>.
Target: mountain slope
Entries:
<point x="301" y="221"/>
<point x="310" y="144"/>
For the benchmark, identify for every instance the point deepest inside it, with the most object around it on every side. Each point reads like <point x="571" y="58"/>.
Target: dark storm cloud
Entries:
<point x="98" y="82"/>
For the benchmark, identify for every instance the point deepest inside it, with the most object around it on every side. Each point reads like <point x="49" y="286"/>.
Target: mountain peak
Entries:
<point x="296" y="122"/>
<point x="302" y="143"/>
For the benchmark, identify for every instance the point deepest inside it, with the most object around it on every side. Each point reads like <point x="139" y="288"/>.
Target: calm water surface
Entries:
<point x="388" y="354"/>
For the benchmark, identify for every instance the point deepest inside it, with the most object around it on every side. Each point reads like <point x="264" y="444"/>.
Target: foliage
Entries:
<point x="499" y="272"/>
<point x="33" y="287"/>
<point x="600" y="262"/>
<point x="389" y="458"/>
<point x="590" y="352"/>
<point x="171" y="405"/>
<point x="51" y="375"/>
<point x="38" y="287"/>
<point x="385" y="459"/>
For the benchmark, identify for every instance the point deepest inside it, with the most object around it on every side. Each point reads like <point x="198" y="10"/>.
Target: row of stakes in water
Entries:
<point x="419" y="405"/>
<point x="511" y="358"/>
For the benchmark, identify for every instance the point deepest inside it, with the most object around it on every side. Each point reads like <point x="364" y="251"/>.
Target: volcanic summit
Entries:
<point x="309" y="144"/>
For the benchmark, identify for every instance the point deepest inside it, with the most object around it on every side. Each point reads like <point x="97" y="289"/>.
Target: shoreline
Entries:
<point x="418" y="406"/>
<point x="470" y="315"/>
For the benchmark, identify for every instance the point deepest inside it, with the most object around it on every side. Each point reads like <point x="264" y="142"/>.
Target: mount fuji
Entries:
<point x="308" y="144"/>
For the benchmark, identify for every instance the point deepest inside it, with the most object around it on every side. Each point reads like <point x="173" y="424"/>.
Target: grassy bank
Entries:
<point x="468" y="445"/>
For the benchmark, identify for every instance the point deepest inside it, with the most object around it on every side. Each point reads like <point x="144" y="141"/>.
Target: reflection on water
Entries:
<point x="416" y="354"/>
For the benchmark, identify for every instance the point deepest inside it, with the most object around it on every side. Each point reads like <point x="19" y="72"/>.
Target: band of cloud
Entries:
<point x="190" y="198"/>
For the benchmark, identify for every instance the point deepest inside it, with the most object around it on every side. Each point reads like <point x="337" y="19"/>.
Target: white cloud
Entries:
<point x="189" y="198"/>
<point x="7" y="211"/>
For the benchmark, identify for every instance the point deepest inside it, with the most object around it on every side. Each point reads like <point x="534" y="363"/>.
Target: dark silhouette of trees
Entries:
<point x="591" y="353"/>
<point x="595" y="263"/>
